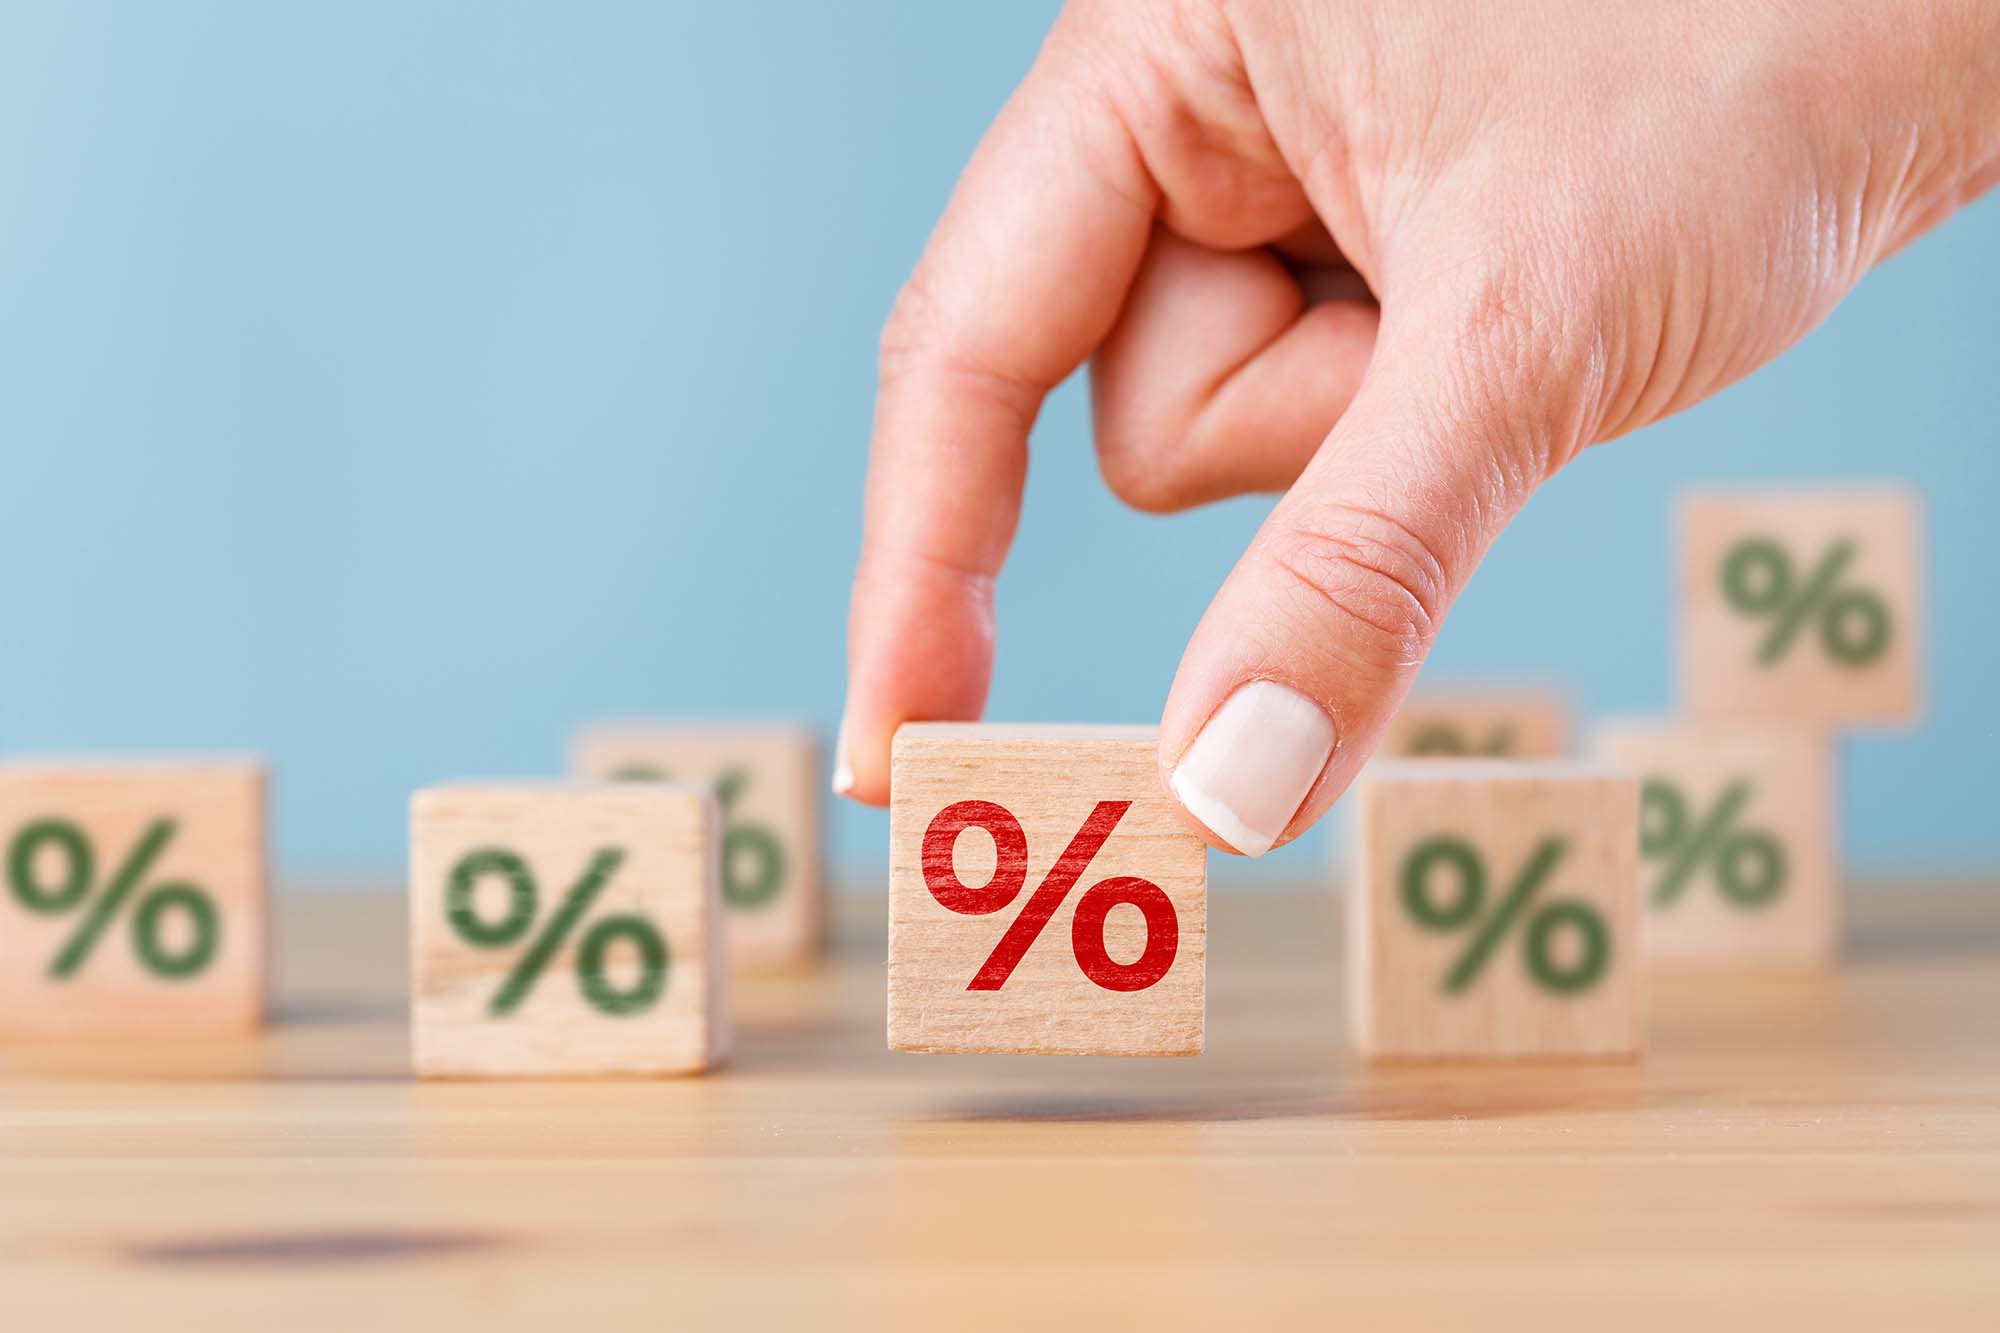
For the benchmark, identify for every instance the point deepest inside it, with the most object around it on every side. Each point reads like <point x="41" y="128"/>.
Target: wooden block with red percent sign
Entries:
<point x="1046" y="896"/>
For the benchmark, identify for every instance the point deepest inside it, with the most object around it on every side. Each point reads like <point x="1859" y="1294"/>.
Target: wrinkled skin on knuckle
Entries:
<point x="908" y="333"/>
<point x="1516" y="354"/>
<point x="1386" y="585"/>
<point x="917" y="345"/>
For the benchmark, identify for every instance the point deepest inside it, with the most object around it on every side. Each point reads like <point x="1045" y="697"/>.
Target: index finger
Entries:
<point x="1023" y="277"/>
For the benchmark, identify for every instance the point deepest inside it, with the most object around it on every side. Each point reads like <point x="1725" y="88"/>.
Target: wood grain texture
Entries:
<point x="1817" y="1152"/>
<point x="1719" y="643"/>
<point x="1052" y="781"/>
<point x="1772" y="788"/>
<point x="666" y="842"/>
<point x="208" y="819"/>
<point x="1500" y="817"/>
<point x="1500" y="721"/>
<point x="773" y="780"/>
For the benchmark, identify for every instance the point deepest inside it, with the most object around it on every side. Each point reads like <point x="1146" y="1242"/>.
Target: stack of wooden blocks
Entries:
<point x="1503" y="908"/>
<point x="592" y="926"/>
<point x="1801" y="614"/>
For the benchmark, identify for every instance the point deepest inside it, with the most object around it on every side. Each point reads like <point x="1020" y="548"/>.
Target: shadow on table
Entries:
<point x="1418" y="1093"/>
<point x="313" y="1249"/>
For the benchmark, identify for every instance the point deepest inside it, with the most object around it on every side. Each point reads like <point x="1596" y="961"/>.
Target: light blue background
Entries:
<point x="389" y="386"/>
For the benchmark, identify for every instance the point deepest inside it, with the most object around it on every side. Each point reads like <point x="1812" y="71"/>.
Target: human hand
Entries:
<point x="1577" y="218"/>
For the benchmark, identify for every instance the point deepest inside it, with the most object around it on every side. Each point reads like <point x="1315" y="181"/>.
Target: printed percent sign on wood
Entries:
<point x="1802" y="604"/>
<point x="1493" y="912"/>
<point x="1106" y="954"/>
<point x="1736" y="834"/>
<point x="1496" y="721"/>
<point x="768" y="781"/>
<point x="565" y="928"/>
<point x="137" y="896"/>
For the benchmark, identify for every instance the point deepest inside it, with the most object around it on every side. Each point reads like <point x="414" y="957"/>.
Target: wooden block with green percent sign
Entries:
<point x="1736" y="840"/>
<point x="1804" y="605"/>
<point x="1494" y="912"/>
<point x="135" y="897"/>
<point x="768" y="782"/>
<point x="566" y="928"/>
<point x="1512" y="722"/>
<point x="1046" y="896"/>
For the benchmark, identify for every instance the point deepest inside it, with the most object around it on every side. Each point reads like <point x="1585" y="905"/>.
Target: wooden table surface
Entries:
<point x="1804" y="1154"/>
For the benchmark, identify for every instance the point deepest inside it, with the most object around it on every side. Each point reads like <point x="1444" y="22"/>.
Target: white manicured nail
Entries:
<point x="843" y="772"/>
<point x="1249" y="770"/>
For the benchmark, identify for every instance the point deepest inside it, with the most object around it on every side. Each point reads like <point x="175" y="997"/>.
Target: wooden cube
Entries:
<point x="1736" y="840"/>
<point x="1500" y="723"/>
<point x="1802" y="605"/>
<point x="769" y="783"/>
<point x="1046" y="896"/>
<point x="566" y="928"/>
<point x="1494" y="911"/>
<point x="135" y="896"/>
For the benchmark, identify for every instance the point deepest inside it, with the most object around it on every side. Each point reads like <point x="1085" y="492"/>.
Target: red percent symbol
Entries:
<point x="1010" y="876"/>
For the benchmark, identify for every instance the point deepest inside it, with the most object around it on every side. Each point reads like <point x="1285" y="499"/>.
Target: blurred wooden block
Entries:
<point x="769" y="783"/>
<point x="135" y="896"/>
<point x="1046" y="896"/>
<point x="1494" y="912"/>
<point x="1498" y="723"/>
<point x="566" y="928"/>
<point x="1736" y="837"/>
<point x="1804" y="605"/>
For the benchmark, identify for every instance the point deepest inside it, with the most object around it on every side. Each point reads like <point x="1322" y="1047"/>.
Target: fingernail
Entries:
<point x="1251" y="767"/>
<point x="843" y="772"/>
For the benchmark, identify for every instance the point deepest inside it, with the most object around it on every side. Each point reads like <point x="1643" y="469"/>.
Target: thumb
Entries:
<point x="1312" y="642"/>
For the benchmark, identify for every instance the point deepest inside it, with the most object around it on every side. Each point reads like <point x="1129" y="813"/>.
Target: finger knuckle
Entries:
<point x="910" y="331"/>
<point x="921" y="346"/>
<point x="1529" y="351"/>
<point x="1385" y="582"/>
<point x="1139" y="474"/>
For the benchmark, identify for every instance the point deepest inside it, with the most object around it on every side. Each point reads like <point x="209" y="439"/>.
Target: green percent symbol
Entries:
<point x="44" y="840"/>
<point x="1444" y="739"/>
<point x="1748" y="864"/>
<point x="1853" y="624"/>
<point x="593" y="949"/>
<point x="639" y="773"/>
<point x="753" y="863"/>
<point x="1453" y="862"/>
